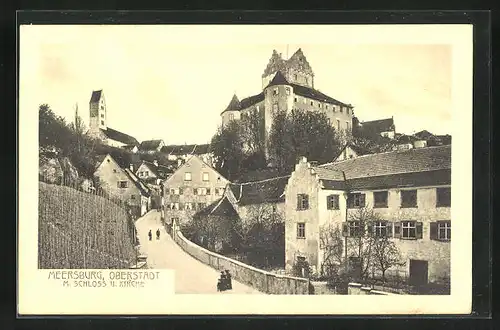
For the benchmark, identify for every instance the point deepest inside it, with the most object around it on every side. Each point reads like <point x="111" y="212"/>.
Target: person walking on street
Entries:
<point x="150" y="235"/>
<point x="158" y="233"/>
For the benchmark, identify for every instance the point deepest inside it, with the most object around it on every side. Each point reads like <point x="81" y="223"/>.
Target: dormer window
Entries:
<point x="287" y="89"/>
<point x="275" y="92"/>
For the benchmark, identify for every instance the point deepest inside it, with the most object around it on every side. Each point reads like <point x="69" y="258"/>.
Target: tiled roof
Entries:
<point x="251" y="100"/>
<point x="357" y="149"/>
<point x="416" y="179"/>
<point x="158" y="170"/>
<point x="328" y="174"/>
<point x="334" y="184"/>
<point x="259" y="175"/>
<point x="424" y="135"/>
<point x="150" y="144"/>
<point x="315" y="95"/>
<point x="96" y="96"/>
<point x="221" y="207"/>
<point x="119" y="136"/>
<point x="129" y="146"/>
<point x="186" y="149"/>
<point x="394" y="162"/>
<point x="266" y="191"/>
<point x="138" y="183"/>
<point x="381" y="125"/>
<point x="406" y="139"/>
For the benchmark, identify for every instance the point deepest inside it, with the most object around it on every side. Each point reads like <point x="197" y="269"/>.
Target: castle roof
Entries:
<point x="119" y="136"/>
<point x="279" y="79"/>
<point x="314" y="94"/>
<point x="234" y="104"/>
<point x="186" y="149"/>
<point x="96" y="96"/>
<point x="251" y="100"/>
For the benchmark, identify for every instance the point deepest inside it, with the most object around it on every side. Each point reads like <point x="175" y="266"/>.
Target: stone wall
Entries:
<point x="261" y="280"/>
<point x="358" y="289"/>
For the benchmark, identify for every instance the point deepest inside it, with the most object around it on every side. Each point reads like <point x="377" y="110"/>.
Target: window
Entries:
<point x="443" y="197"/>
<point x="410" y="230"/>
<point x="338" y="125"/>
<point x="201" y="206"/>
<point x="188" y="206"/>
<point x="312" y="103"/>
<point x="295" y="99"/>
<point x="380" y="199"/>
<point x="332" y="202"/>
<point x="172" y="191"/>
<point x="287" y="89"/>
<point x="181" y="191"/>
<point x="275" y="92"/>
<point x="302" y="202"/>
<point x="216" y="191"/>
<point x="122" y="184"/>
<point x="380" y="228"/>
<point x="231" y="116"/>
<point x="347" y="110"/>
<point x="205" y="176"/>
<point x="301" y="230"/>
<point x="114" y="170"/>
<point x="444" y="230"/>
<point x="295" y="76"/>
<point x="187" y="176"/>
<point x="440" y="230"/>
<point x="102" y="122"/>
<point x="275" y="208"/>
<point x="347" y="126"/>
<point x="132" y="197"/>
<point x="146" y="173"/>
<point x="355" y="229"/>
<point x="102" y="115"/>
<point x="355" y="200"/>
<point x="319" y="105"/>
<point x="207" y="191"/>
<point x="341" y="109"/>
<point x="176" y="206"/>
<point x="326" y="106"/>
<point x="329" y="121"/>
<point x="408" y="198"/>
<point x="334" y="108"/>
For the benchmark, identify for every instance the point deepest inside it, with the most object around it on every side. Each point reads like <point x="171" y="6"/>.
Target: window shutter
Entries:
<point x="390" y="229"/>
<point x="397" y="229"/>
<point x="118" y="184"/>
<point x="306" y="197"/>
<point x="362" y="200"/>
<point x="208" y="191"/>
<point x="433" y="232"/>
<point x="181" y="206"/>
<point x="369" y="228"/>
<point x="419" y="230"/>
<point x="195" y="191"/>
<point x="345" y="229"/>
<point x="298" y="202"/>
<point x="349" y="201"/>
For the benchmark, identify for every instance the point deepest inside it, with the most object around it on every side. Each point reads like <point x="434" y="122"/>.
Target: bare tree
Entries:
<point x="332" y="245"/>
<point x="386" y="255"/>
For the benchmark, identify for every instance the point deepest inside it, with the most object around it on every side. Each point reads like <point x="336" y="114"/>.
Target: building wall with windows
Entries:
<point x="301" y="216"/>
<point x="117" y="183"/>
<point x="414" y="208"/>
<point x="419" y="221"/>
<point x="192" y="187"/>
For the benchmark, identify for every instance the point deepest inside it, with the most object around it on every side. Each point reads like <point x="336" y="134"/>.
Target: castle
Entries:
<point x="286" y="85"/>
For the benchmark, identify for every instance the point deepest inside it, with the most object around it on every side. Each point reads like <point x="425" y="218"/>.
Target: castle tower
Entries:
<point x="97" y="109"/>
<point x="232" y="111"/>
<point x="278" y="96"/>
<point x="296" y="69"/>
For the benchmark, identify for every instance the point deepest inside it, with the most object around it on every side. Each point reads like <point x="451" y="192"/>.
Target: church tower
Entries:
<point x="97" y="109"/>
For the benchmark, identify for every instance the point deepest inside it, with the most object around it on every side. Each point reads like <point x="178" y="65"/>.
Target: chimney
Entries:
<point x="179" y="162"/>
<point x="131" y="166"/>
<point x="155" y="162"/>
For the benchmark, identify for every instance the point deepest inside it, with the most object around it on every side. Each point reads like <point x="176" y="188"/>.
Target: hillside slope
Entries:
<point x="81" y="230"/>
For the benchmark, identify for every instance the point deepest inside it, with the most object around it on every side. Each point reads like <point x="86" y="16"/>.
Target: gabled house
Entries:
<point x="349" y="151"/>
<point x="409" y="191"/>
<point x="121" y="183"/>
<point x="181" y="153"/>
<point x="192" y="187"/>
<point x="151" y="146"/>
<point x="153" y="174"/>
<point x="383" y="127"/>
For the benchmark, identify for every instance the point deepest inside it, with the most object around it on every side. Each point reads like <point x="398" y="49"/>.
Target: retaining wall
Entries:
<point x="260" y="280"/>
<point x="358" y="289"/>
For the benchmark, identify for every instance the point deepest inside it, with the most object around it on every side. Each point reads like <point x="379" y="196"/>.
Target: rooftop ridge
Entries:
<point x="382" y="153"/>
<point x="395" y="173"/>
<point x="265" y="180"/>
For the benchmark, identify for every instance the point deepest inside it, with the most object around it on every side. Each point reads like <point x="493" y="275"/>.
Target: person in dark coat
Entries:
<point x="228" y="280"/>
<point x="158" y="233"/>
<point x="150" y="235"/>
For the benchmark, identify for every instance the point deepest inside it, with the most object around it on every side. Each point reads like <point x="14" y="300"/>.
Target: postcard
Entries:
<point x="245" y="169"/>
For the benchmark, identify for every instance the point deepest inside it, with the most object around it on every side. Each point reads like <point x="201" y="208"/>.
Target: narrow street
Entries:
<point x="191" y="275"/>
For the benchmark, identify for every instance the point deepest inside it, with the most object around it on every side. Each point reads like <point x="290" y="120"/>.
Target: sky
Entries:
<point x="172" y="82"/>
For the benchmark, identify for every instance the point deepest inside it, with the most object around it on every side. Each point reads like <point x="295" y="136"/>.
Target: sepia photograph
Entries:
<point x="280" y="166"/>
